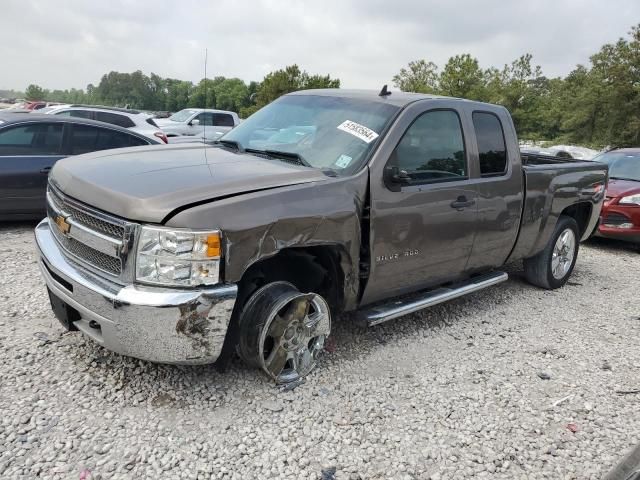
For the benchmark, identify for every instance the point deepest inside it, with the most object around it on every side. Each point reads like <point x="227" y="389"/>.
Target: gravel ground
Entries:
<point x="513" y="382"/>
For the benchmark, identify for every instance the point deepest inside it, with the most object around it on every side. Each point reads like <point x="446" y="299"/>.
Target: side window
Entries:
<point x="115" y="119"/>
<point x="83" y="139"/>
<point x="87" y="138"/>
<point x="79" y="114"/>
<point x="492" y="149"/>
<point x="206" y="119"/>
<point x="113" y="139"/>
<point x="432" y="149"/>
<point x="32" y="139"/>
<point x="222" y="120"/>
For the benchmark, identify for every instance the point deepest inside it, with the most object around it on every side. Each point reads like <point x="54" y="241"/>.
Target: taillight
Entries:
<point x="161" y="136"/>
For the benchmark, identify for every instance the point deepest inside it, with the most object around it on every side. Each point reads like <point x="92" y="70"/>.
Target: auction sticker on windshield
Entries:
<point x="360" y="131"/>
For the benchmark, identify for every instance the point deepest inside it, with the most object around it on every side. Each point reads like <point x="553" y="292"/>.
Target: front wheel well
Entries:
<point x="581" y="213"/>
<point x="311" y="269"/>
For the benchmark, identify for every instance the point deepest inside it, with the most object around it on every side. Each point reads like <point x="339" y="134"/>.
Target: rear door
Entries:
<point x="496" y="169"/>
<point x="27" y="153"/>
<point x="422" y="230"/>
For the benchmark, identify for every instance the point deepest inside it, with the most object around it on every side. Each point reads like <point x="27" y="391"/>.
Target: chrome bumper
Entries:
<point x="156" y="324"/>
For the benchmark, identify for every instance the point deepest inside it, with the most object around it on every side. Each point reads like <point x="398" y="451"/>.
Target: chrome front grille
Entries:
<point x="90" y="255"/>
<point x="114" y="229"/>
<point x="93" y="239"/>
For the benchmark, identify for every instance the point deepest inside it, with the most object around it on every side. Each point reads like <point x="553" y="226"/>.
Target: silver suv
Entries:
<point x="134" y="120"/>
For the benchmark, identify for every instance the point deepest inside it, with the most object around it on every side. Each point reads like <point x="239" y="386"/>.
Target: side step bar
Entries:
<point x="398" y="308"/>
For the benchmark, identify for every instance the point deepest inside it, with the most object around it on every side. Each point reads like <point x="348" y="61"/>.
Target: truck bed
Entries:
<point x="551" y="185"/>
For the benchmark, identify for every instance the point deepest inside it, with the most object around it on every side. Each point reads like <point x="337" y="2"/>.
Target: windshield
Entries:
<point x="622" y="165"/>
<point x="182" y="115"/>
<point x="327" y="132"/>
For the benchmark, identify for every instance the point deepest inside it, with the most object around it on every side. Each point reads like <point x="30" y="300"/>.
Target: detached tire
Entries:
<point x="282" y="331"/>
<point x="552" y="267"/>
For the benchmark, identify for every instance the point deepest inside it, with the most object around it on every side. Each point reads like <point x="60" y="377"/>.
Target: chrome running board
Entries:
<point x="398" y="308"/>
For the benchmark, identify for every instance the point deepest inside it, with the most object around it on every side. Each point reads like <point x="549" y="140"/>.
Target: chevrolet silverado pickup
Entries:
<point x="323" y="202"/>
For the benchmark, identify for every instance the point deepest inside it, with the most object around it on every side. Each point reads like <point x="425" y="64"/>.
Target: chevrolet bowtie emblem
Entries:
<point x="62" y="224"/>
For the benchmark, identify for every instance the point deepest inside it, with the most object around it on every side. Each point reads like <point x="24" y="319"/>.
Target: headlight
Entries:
<point x="630" y="200"/>
<point x="182" y="258"/>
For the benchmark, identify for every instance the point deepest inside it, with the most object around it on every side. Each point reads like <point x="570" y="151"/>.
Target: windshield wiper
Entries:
<point x="623" y="178"/>
<point x="228" y="143"/>
<point x="286" y="156"/>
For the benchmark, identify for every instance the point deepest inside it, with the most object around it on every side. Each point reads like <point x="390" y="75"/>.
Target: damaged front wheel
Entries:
<point x="282" y="331"/>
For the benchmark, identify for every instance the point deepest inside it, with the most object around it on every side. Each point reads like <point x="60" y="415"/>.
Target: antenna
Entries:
<point x="204" y="127"/>
<point x="384" y="92"/>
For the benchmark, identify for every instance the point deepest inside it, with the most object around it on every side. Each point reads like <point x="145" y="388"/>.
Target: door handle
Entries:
<point x="45" y="170"/>
<point x="462" y="203"/>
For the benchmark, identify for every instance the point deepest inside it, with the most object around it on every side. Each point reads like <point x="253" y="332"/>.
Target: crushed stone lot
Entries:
<point x="512" y="382"/>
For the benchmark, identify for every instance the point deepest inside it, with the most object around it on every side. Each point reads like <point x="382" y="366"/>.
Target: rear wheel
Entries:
<point x="552" y="267"/>
<point x="282" y="331"/>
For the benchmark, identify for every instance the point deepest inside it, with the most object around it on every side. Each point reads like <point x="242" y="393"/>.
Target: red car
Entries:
<point x="620" y="217"/>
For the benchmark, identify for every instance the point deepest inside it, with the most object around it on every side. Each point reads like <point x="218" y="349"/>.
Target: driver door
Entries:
<point x="424" y="212"/>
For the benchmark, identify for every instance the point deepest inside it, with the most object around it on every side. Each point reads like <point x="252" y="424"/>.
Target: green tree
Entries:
<point x="462" y="77"/>
<point x="286" y="80"/>
<point x="35" y="92"/>
<point x="420" y="76"/>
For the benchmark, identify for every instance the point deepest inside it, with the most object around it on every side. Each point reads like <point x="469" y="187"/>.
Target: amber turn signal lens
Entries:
<point x="213" y="245"/>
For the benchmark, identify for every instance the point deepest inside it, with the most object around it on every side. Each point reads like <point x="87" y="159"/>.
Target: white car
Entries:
<point x="139" y="122"/>
<point x="207" y="123"/>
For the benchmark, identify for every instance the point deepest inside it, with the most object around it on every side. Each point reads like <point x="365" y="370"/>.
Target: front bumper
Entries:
<point x="156" y="324"/>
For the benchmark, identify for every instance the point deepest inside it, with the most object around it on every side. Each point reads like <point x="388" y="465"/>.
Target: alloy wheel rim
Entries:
<point x="293" y="337"/>
<point x="563" y="252"/>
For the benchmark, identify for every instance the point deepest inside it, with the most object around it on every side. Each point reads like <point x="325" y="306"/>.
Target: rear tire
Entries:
<point x="552" y="267"/>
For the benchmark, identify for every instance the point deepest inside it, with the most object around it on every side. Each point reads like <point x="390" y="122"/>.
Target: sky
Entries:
<point x="70" y="43"/>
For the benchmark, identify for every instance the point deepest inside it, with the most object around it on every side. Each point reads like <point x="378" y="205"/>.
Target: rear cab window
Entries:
<point x="223" y="120"/>
<point x="492" y="150"/>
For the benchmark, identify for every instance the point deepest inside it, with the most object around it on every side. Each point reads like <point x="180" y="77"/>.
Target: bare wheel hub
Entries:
<point x="293" y="336"/>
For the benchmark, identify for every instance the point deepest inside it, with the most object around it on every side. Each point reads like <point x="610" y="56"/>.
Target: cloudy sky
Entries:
<point x="70" y="43"/>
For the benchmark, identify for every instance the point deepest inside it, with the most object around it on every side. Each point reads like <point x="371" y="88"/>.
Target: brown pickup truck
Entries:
<point x="322" y="202"/>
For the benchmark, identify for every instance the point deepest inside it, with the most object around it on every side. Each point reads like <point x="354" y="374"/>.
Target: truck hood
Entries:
<point x="620" y="188"/>
<point x="148" y="183"/>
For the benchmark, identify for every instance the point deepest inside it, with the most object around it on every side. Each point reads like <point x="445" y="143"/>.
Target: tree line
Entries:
<point x="154" y="93"/>
<point x="596" y="104"/>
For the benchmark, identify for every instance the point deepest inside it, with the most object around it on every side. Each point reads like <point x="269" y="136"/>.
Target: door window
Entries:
<point x="87" y="138"/>
<point x="32" y="139"/>
<point x="432" y="149"/>
<point x="492" y="150"/>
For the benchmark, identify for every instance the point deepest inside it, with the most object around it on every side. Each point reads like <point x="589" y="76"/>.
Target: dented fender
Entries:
<point x="259" y="225"/>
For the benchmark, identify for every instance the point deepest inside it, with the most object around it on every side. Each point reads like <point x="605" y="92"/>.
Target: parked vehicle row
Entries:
<point x="137" y="121"/>
<point x="205" y="124"/>
<point x="322" y="202"/>
<point x="30" y="145"/>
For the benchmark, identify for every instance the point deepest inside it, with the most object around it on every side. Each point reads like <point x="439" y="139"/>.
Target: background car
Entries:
<point x="134" y="120"/>
<point x="620" y="217"/>
<point x="30" y="144"/>
<point x="210" y="124"/>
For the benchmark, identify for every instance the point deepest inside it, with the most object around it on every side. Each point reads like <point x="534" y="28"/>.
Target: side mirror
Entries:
<point x="395" y="178"/>
<point x="195" y="122"/>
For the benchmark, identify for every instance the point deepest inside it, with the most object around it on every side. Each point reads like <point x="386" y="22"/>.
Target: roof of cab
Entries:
<point x="397" y="98"/>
